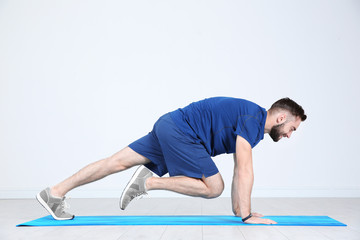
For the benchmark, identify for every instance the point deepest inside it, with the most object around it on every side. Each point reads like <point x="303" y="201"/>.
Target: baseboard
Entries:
<point x="88" y="192"/>
<point x="345" y="192"/>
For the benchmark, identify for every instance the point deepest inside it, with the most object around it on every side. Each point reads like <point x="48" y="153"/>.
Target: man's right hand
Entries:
<point x="257" y="220"/>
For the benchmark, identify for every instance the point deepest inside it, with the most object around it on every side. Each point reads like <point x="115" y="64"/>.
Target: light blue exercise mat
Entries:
<point x="180" y="220"/>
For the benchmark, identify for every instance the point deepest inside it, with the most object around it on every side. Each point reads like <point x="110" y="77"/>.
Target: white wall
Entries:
<point x="79" y="80"/>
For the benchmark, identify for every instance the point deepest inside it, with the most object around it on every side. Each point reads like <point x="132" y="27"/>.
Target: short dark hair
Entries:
<point x="289" y="105"/>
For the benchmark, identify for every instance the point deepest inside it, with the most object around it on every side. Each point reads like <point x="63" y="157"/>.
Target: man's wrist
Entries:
<point x="246" y="218"/>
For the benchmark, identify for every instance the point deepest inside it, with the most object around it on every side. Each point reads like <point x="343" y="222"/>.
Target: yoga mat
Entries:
<point x="180" y="220"/>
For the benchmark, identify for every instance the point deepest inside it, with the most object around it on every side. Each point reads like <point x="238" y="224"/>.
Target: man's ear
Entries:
<point x="281" y="118"/>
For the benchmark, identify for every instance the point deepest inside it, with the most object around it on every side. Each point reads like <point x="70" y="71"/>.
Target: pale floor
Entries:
<point x="346" y="210"/>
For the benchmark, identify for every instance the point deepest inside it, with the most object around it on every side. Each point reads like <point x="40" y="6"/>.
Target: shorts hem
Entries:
<point x="152" y="165"/>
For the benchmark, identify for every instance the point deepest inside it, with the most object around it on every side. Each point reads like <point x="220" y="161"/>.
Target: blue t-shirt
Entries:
<point x="216" y="122"/>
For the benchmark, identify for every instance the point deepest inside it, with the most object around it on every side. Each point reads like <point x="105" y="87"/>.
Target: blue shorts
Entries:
<point x="172" y="151"/>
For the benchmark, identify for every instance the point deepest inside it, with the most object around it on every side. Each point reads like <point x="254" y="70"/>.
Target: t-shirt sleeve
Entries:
<point x="248" y="128"/>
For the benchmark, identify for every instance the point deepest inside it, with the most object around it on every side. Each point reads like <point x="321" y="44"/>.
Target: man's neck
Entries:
<point x="269" y="123"/>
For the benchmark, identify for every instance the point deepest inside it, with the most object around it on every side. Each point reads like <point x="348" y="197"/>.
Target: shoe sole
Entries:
<point x="44" y="204"/>
<point x="136" y="174"/>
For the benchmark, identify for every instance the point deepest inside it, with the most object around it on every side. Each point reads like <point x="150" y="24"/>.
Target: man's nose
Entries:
<point x="288" y="135"/>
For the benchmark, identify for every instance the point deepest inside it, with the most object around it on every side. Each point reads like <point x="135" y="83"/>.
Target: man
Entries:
<point x="182" y="143"/>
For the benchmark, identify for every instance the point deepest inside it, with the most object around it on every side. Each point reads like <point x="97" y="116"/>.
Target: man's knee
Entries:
<point x="215" y="186"/>
<point x="215" y="192"/>
<point x="118" y="162"/>
<point x="115" y="164"/>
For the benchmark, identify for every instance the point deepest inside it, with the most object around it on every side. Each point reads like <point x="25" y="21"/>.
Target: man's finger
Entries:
<point x="271" y="221"/>
<point x="267" y="221"/>
<point x="256" y="220"/>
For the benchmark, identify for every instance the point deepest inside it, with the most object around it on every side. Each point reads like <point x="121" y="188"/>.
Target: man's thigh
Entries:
<point x="128" y="158"/>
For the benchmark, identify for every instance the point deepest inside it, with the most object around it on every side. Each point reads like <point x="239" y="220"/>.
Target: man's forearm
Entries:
<point x="243" y="178"/>
<point x="241" y="191"/>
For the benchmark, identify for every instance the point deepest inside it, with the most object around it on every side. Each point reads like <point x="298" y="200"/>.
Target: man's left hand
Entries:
<point x="257" y="214"/>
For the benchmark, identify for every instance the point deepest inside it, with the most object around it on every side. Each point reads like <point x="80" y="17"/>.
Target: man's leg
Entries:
<point x="209" y="187"/>
<point x="53" y="199"/>
<point x="122" y="160"/>
<point x="142" y="181"/>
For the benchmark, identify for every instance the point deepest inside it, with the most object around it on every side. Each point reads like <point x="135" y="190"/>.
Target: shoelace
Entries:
<point x="64" y="205"/>
<point x="138" y="195"/>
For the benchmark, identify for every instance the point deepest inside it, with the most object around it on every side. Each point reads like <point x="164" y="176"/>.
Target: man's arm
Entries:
<point x="243" y="180"/>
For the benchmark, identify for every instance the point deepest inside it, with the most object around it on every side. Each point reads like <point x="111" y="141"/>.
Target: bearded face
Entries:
<point x="276" y="132"/>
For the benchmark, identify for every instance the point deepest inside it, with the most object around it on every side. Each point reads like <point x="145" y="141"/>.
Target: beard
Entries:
<point x="275" y="132"/>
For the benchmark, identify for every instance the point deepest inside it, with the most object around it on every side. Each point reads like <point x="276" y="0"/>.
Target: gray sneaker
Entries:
<point x="54" y="205"/>
<point x="136" y="186"/>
